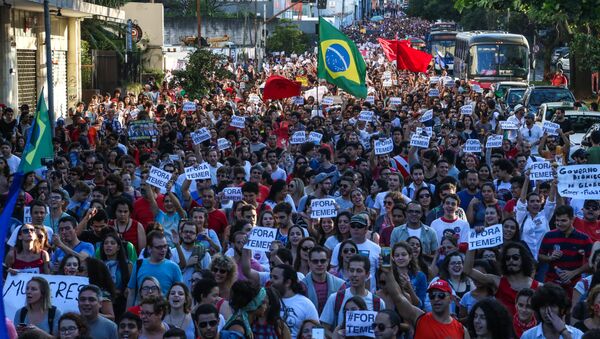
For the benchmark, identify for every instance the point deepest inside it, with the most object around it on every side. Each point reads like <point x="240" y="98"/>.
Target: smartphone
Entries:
<point x="386" y="254"/>
<point x="318" y="333"/>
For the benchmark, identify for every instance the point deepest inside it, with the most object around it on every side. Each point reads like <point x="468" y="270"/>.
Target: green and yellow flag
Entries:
<point x="340" y="62"/>
<point x="39" y="144"/>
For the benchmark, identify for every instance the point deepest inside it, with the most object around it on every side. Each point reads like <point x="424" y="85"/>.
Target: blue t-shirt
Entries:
<point x="166" y="272"/>
<point x="82" y="247"/>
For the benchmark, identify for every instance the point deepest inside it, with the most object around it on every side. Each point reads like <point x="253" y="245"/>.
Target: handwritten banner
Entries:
<point x="158" y="178"/>
<point x="200" y="172"/>
<point x="323" y="208"/>
<point x="490" y="237"/>
<point x="384" y="146"/>
<point x="494" y="141"/>
<point x="579" y="181"/>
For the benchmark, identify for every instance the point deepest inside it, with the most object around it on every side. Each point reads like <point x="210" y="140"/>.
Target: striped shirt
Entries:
<point x="575" y="250"/>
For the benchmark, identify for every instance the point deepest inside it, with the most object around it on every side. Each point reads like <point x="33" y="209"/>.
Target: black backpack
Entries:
<point x="51" y="315"/>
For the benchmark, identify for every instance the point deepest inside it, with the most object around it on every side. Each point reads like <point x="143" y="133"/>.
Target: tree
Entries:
<point x="202" y="68"/>
<point x="287" y="38"/>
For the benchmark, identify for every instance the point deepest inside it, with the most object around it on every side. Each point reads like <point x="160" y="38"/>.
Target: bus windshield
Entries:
<point x="444" y="48"/>
<point x="500" y="60"/>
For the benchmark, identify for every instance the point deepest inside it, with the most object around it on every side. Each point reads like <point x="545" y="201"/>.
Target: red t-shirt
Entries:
<point x="217" y="221"/>
<point x="510" y="206"/>
<point x="592" y="229"/>
<point x="142" y="211"/>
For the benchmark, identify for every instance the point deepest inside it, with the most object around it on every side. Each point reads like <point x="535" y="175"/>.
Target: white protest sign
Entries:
<point x="508" y="125"/>
<point x="200" y="135"/>
<point x="366" y="116"/>
<point x="384" y="146"/>
<point x="323" y="208"/>
<point x="419" y="140"/>
<point x="254" y="98"/>
<point x="490" y="237"/>
<point x="189" y="106"/>
<point x="327" y="101"/>
<point x="298" y="100"/>
<point x="472" y="146"/>
<point x="541" y="170"/>
<point x="358" y="323"/>
<point x="200" y="172"/>
<point x="494" y="141"/>
<point x="370" y="98"/>
<point x="223" y="143"/>
<point x="395" y="101"/>
<point x="158" y="178"/>
<point x="476" y="88"/>
<point x="466" y="110"/>
<point x="299" y="137"/>
<point x="260" y="238"/>
<point x="434" y="80"/>
<point x="426" y="130"/>
<point x="238" y="122"/>
<point x="174" y="157"/>
<point x="387" y="75"/>
<point x="428" y="115"/>
<point x="232" y="193"/>
<point x="551" y="128"/>
<point x="447" y="81"/>
<point x="64" y="291"/>
<point x="315" y="137"/>
<point x="387" y="83"/>
<point x="579" y="181"/>
<point x="434" y="92"/>
<point x="316" y="113"/>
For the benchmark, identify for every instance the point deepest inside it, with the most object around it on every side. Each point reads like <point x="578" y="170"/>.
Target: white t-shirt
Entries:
<point x="328" y="316"/>
<point x="458" y="225"/>
<point x="188" y="271"/>
<point x="367" y="247"/>
<point x="295" y="310"/>
<point x="331" y="242"/>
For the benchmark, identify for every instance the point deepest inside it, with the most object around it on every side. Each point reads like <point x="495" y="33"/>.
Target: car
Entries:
<point x="581" y="121"/>
<point x="536" y="95"/>
<point x="500" y="88"/>
<point x="513" y="97"/>
<point x="564" y="63"/>
<point x="558" y="53"/>
<point x="546" y="111"/>
<point x="585" y="141"/>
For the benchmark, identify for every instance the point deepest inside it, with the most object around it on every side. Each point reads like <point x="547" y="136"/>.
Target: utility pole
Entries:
<point x="49" y="78"/>
<point x="199" y="17"/>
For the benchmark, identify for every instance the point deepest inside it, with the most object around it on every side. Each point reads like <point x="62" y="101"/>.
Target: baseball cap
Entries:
<point x="359" y="218"/>
<point x="440" y="285"/>
<point x="530" y="116"/>
<point x="580" y="153"/>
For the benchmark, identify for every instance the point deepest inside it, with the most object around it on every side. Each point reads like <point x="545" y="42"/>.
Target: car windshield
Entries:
<point x="542" y="96"/>
<point x="515" y="96"/>
<point x="581" y="123"/>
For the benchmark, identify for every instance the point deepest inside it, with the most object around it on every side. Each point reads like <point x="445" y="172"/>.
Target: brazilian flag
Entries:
<point x="340" y="62"/>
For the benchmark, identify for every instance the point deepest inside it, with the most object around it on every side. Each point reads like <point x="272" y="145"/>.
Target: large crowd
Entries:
<point x="171" y="261"/>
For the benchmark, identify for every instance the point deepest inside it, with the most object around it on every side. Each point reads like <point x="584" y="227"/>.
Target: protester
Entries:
<point x="38" y="312"/>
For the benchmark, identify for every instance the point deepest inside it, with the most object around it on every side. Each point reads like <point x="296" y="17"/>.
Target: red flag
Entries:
<point x="278" y="87"/>
<point x="389" y="48"/>
<point x="412" y="59"/>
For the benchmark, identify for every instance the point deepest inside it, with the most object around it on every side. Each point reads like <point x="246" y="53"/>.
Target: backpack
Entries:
<point x="339" y="299"/>
<point x="51" y="315"/>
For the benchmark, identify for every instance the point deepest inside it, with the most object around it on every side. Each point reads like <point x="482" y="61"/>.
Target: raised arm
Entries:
<point x="405" y="308"/>
<point x="483" y="278"/>
<point x="250" y="273"/>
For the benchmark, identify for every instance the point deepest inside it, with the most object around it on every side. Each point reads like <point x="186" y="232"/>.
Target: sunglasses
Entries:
<point x="204" y="324"/>
<point x="378" y="326"/>
<point x="424" y="196"/>
<point x="514" y="257"/>
<point x="219" y="270"/>
<point x="349" y="250"/>
<point x="355" y="225"/>
<point x="27" y="230"/>
<point x="591" y="208"/>
<point x="307" y="248"/>
<point x="318" y="261"/>
<point x="437" y="295"/>
<point x="389" y="203"/>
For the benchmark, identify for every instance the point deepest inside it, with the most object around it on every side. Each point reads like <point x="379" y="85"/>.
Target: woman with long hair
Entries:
<point x="485" y="174"/>
<point x="452" y="271"/>
<point x="358" y="205"/>
<point x="324" y="228"/>
<point x="425" y="198"/>
<point x="128" y="189"/>
<point x="247" y="302"/>
<point x="179" y="309"/>
<point x="266" y="219"/>
<point x="38" y="311"/>
<point x="386" y="220"/>
<point x="417" y="252"/>
<point x="342" y="230"/>
<point x="301" y="260"/>
<point x="270" y="325"/>
<point x="378" y="186"/>
<point x="69" y="265"/>
<point x="114" y="185"/>
<point x="355" y="303"/>
<point x="348" y="248"/>
<point x="492" y="216"/>
<point x="278" y="194"/>
<point x="28" y="254"/>
<point x="127" y="228"/>
<point x="29" y="185"/>
<point x="225" y="272"/>
<point x="101" y="277"/>
<point x="305" y="331"/>
<point x="296" y="190"/>
<point x="295" y="235"/>
<point x="4" y="175"/>
<point x="149" y="287"/>
<point x="510" y="230"/>
<point x="407" y="273"/>
<point x="72" y="326"/>
<point x="490" y="320"/>
<point x="480" y="291"/>
<point x="114" y="255"/>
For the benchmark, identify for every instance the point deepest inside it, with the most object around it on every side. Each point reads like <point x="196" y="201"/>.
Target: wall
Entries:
<point x="150" y="18"/>
<point x="240" y="31"/>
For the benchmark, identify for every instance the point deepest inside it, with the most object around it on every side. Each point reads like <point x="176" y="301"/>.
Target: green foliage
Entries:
<point x="104" y="35"/>
<point x="288" y="38"/>
<point x="433" y="10"/>
<point x="208" y="8"/>
<point x="202" y="67"/>
<point x="587" y="50"/>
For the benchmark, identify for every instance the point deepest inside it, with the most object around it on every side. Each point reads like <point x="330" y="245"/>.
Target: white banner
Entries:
<point x="232" y="193"/>
<point x="158" y="178"/>
<point x="299" y="137"/>
<point x="238" y="122"/>
<point x="358" y="323"/>
<point x="189" y="106"/>
<point x="472" y="146"/>
<point x="298" y="100"/>
<point x="64" y="291"/>
<point x="327" y="101"/>
<point x="434" y="92"/>
<point x="323" y="208"/>
<point x="419" y="140"/>
<point x="551" y="128"/>
<point x="579" y="181"/>
<point x="260" y="238"/>
<point x="395" y="101"/>
<point x="370" y="99"/>
<point x="384" y="146"/>
<point x="508" y="125"/>
<point x="494" y="141"/>
<point x="200" y="135"/>
<point x="425" y="130"/>
<point x="223" y="143"/>
<point x="254" y="98"/>
<point x="200" y="172"/>
<point x="541" y="170"/>
<point x="428" y="115"/>
<point x="490" y="237"/>
<point x="366" y="116"/>
<point x="315" y="137"/>
<point x="466" y="110"/>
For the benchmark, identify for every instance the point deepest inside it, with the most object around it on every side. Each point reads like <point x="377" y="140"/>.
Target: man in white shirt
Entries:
<point x="531" y="132"/>
<point x="517" y="119"/>
<point x="450" y="223"/>
<point x="395" y="182"/>
<point x="213" y="165"/>
<point x="358" y="234"/>
<point x="277" y="173"/>
<point x="12" y="160"/>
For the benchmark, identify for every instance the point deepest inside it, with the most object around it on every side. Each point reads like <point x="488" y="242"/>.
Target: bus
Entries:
<point x="489" y="57"/>
<point x="441" y="45"/>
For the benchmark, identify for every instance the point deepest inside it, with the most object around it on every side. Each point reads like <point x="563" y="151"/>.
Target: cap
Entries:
<point x="360" y="218"/>
<point x="580" y="153"/>
<point x="321" y="177"/>
<point x="518" y="107"/>
<point x="441" y="285"/>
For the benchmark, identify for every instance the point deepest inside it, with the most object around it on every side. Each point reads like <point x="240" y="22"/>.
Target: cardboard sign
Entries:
<point x="189" y="106"/>
<point x="200" y="136"/>
<point x="579" y="181"/>
<point x="494" y="141"/>
<point x="370" y="98"/>
<point x="158" y="178"/>
<point x="551" y="128"/>
<point x="434" y="92"/>
<point x="253" y="98"/>
<point x="358" y="323"/>
<point x="418" y="140"/>
<point x="223" y="143"/>
<point x="299" y="137"/>
<point x="327" y="101"/>
<point x="384" y="146"/>
<point x="200" y="172"/>
<point x="387" y="83"/>
<point x="302" y="80"/>
<point x="298" y="100"/>
<point x="323" y="208"/>
<point x="490" y="237"/>
<point x="466" y="110"/>
<point x="434" y="80"/>
<point x="366" y="116"/>
<point x="238" y="122"/>
<point x="142" y="130"/>
<point x="508" y="125"/>
<point x="232" y="193"/>
<point x="387" y="75"/>
<point x="315" y="137"/>
<point x="260" y="238"/>
<point x="64" y="291"/>
<point x="541" y="170"/>
<point x="472" y="146"/>
<point x="395" y="101"/>
<point x="428" y="115"/>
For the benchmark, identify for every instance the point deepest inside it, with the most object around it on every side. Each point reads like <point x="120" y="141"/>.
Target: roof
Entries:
<point x="583" y="113"/>
<point x="487" y="36"/>
<point x="559" y="104"/>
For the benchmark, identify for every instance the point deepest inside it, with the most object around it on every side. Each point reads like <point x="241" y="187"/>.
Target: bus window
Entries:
<point x="502" y="60"/>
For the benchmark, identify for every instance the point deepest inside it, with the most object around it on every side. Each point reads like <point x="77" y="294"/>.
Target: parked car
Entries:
<point x="585" y="141"/>
<point x="558" y="53"/>
<point x="500" y="88"/>
<point x="546" y="111"/>
<point x="513" y="97"/>
<point x="581" y="121"/>
<point x="536" y="95"/>
<point x="564" y="63"/>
